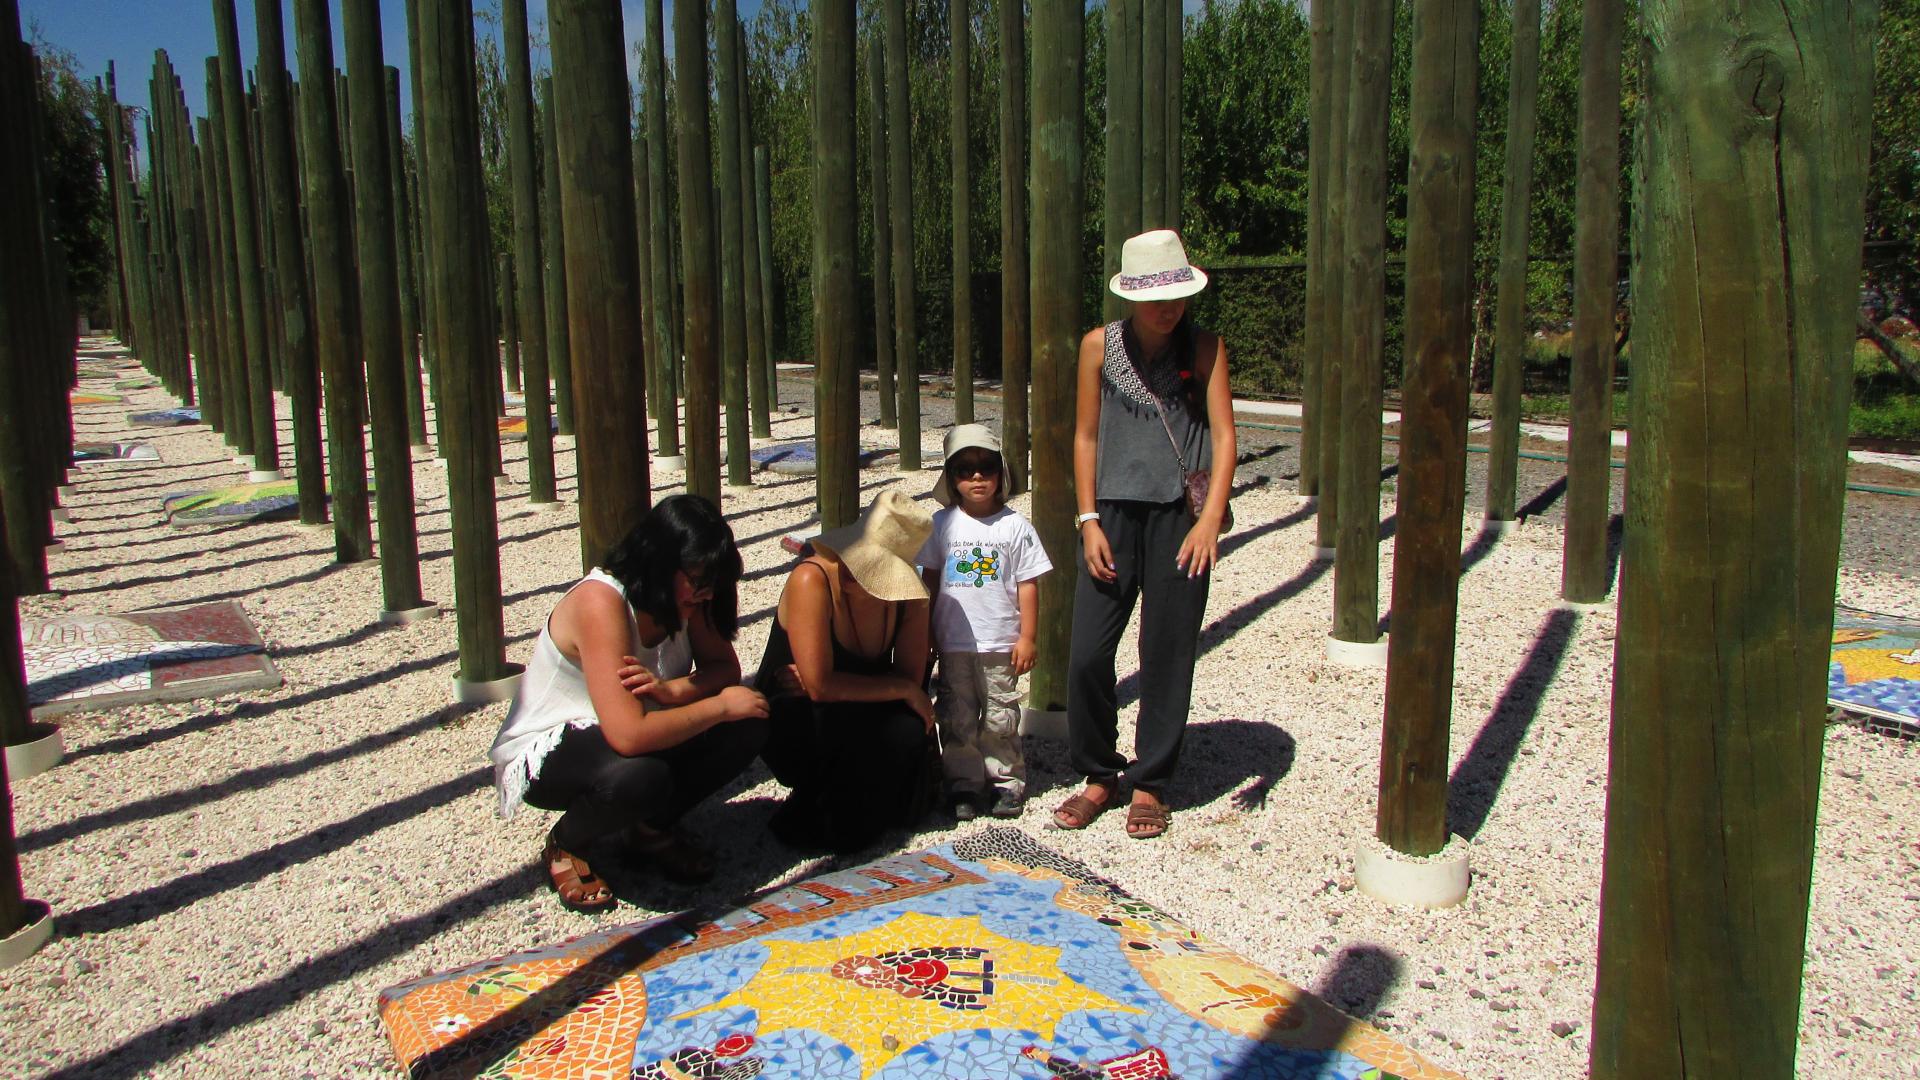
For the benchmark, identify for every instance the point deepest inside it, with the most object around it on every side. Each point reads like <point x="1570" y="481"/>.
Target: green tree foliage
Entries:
<point x="1893" y="180"/>
<point x="75" y="150"/>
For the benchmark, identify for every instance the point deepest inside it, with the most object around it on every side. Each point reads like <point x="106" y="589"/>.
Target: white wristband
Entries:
<point x="1084" y="518"/>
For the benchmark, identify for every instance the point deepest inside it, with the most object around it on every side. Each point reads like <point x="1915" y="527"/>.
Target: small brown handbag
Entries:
<point x="1196" y="481"/>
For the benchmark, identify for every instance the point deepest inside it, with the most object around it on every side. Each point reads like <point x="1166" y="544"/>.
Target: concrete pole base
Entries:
<point x="1363" y="654"/>
<point x="1307" y="502"/>
<point x="45" y="749"/>
<point x="1497" y="526"/>
<point x="671" y="462"/>
<point x="1579" y="606"/>
<point x="548" y="505"/>
<point x="29" y="939"/>
<point x="1324" y="554"/>
<point x="475" y="694"/>
<point x="61" y="516"/>
<point x="1048" y="724"/>
<point x="65" y="490"/>
<point x="264" y="476"/>
<point x="1412" y="881"/>
<point x="56" y="545"/>
<point x="406" y="616"/>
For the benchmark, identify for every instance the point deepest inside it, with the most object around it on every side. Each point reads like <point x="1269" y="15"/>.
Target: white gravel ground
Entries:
<point x="236" y="879"/>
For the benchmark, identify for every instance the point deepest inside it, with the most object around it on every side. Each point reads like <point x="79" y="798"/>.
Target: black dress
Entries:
<point x="857" y="768"/>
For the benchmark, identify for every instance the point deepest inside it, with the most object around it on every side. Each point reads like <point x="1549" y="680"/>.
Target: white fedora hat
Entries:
<point x="1154" y="266"/>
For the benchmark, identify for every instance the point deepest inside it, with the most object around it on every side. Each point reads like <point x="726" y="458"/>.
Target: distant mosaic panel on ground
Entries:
<point x="990" y="957"/>
<point x="99" y="661"/>
<point x="1876" y="666"/>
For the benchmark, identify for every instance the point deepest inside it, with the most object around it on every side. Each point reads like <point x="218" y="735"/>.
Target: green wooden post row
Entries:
<point x="836" y="388"/>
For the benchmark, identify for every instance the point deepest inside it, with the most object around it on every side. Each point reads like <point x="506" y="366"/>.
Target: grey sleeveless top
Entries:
<point x="1136" y="461"/>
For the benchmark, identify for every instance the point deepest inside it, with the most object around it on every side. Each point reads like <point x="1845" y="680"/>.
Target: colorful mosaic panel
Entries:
<point x="97" y="661"/>
<point x="1876" y="665"/>
<point x="237" y="504"/>
<point x="107" y="453"/>
<point x="797" y="458"/>
<point x="91" y="398"/>
<point x="514" y="428"/>
<point x="137" y="384"/>
<point x="165" y="418"/>
<point x="989" y="957"/>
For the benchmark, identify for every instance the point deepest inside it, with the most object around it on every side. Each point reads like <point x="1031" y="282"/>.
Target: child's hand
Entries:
<point x="637" y="680"/>
<point x="1023" y="655"/>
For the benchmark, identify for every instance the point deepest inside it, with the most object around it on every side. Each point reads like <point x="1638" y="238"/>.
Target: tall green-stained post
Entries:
<point x="1121" y="192"/>
<point x="404" y="253"/>
<point x="1014" y="322"/>
<point x="959" y="60"/>
<point x="591" y="106"/>
<point x="429" y="306"/>
<point x="559" y="342"/>
<point x="643" y="251"/>
<point x="1596" y="236"/>
<point x="25" y="494"/>
<point x="759" y="380"/>
<point x="457" y="243"/>
<point x="763" y="216"/>
<point x="1356" y="572"/>
<point x="247" y="246"/>
<point x="836" y="387"/>
<point x="699" y="287"/>
<point x="237" y="397"/>
<point x="906" y="340"/>
<point x="527" y="243"/>
<point x="508" y="323"/>
<point x="1058" y="201"/>
<point x="882" y="244"/>
<point x="213" y="374"/>
<point x="1333" y="268"/>
<point x="1751" y="177"/>
<point x="15" y="720"/>
<point x="665" y="335"/>
<point x="1153" y="115"/>
<point x="282" y="187"/>
<point x="733" y="309"/>
<point x="1412" y="813"/>
<point x="380" y="341"/>
<point x="1176" y="27"/>
<point x="336" y="311"/>
<point x="1510" y="304"/>
<point x="1319" y="194"/>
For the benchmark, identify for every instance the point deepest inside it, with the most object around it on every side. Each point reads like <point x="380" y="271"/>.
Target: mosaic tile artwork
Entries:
<point x="991" y="957"/>
<point x="108" y="453"/>
<point x="797" y="458"/>
<point x="165" y="418"/>
<point x="92" y="398"/>
<point x="98" y="661"/>
<point x="136" y="384"/>
<point x="103" y="368"/>
<point x="514" y="428"/>
<point x="1876" y="666"/>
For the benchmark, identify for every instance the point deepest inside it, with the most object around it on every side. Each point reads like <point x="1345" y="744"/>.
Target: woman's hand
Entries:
<point x="741" y="703"/>
<point x="920" y="703"/>
<point x="636" y="679"/>
<point x="787" y="682"/>
<point x="1200" y="551"/>
<point x="1099" y="556"/>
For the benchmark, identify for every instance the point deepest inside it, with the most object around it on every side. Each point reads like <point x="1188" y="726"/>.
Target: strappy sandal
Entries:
<point x="578" y="887"/>
<point x="675" y="857"/>
<point x="1078" y="811"/>
<point x="1148" y="820"/>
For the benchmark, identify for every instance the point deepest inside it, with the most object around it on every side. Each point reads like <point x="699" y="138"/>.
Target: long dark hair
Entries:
<point x="682" y="532"/>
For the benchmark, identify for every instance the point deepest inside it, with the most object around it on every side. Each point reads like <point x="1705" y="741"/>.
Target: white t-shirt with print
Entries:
<point x="982" y="562"/>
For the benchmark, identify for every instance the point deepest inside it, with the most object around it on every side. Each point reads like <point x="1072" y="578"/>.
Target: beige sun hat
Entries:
<point x="971" y="437"/>
<point x="1154" y="266"/>
<point x="879" y="549"/>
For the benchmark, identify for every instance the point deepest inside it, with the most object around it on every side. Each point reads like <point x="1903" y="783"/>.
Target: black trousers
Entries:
<point x="602" y="791"/>
<point x="1145" y="538"/>
<point x="856" y="769"/>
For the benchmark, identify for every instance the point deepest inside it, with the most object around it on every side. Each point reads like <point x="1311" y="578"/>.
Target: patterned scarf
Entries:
<point x="1124" y="375"/>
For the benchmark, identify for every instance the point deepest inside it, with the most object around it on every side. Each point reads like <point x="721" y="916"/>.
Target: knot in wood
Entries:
<point x="1761" y="81"/>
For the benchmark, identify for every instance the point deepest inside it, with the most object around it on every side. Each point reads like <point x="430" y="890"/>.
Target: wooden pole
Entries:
<point x="1412" y="815"/>
<point x="25" y="496"/>
<point x="1752" y="174"/>
<point x="643" y="251"/>
<point x="959" y="58"/>
<point x="763" y="215"/>
<point x="836" y="209"/>
<point x="906" y="340"/>
<point x="429" y="305"/>
<point x="1121" y="194"/>
<point x="404" y="255"/>
<point x="664" y="336"/>
<point x="1583" y="570"/>
<point x="733" y="311"/>
<point x="882" y="244"/>
<point x="15" y="718"/>
<point x="1356" y="572"/>
<point x="1014" y="300"/>
<point x="336" y="317"/>
<point x="1319" y="194"/>
<point x="1510" y="304"/>
<point x="1151" y="87"/>
<point x="236" y="397"/>
<point x="246" y="245"/>
<point x="522" y="157"/>
<point x="1333" y="247"/>
<point x="380" y="336"/>
<point x="759" y="380"/>
<point x="1176" y="26"/>
<point x="591" y="103"/>
<point x="457" y="243"/>
<point x="282" y="186"/>
<point x="508" y="324"/>
<point x="215" y="394"/>
<point x="1058" y="202"/>
<point x="699" y="282"/>
<point x="559" y="341"/>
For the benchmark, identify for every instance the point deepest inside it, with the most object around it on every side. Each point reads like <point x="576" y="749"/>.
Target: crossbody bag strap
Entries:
<point x="1161" y="411"/>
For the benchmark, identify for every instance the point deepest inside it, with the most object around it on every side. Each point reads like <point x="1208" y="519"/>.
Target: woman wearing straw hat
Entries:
<point x="845" y="669"/>
<point x="1153" y="429"/>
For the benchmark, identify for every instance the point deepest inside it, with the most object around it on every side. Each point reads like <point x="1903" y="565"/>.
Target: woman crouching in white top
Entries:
<point x="631" y="710"/>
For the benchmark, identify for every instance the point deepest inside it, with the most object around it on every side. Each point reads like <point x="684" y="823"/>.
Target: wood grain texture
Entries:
<point x="836" y="387"/>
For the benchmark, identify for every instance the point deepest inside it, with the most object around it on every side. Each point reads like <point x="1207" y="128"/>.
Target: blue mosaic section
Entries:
<point x="1875" y="667"/>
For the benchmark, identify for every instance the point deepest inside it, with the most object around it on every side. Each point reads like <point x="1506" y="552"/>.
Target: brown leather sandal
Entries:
<point x="1148" y="820"/>
<point x="574" y="881"/>
<point x="1078" y="812"/>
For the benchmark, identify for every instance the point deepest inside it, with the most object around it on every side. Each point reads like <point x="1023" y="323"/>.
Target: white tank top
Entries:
<point x="553" y="697"/>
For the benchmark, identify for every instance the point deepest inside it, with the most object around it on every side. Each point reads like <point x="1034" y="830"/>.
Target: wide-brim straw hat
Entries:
<point x="971" y="437"/>
<point x="1154" y="266"/>
<point x="879" y="549"/>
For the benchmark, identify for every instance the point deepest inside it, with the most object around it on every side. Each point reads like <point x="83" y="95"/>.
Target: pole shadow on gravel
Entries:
<point x="121" y="564"/>
<point x="1356" y="984"/>
<point x="201" y="571"/>
<point x="1477" y="780"/>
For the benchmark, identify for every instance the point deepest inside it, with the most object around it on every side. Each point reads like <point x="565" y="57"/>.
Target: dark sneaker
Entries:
<point x="1008" y="805"/>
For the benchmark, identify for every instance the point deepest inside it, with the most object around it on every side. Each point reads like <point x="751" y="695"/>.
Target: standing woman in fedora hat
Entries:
<point x="1152" y="407"/>
<point x="845" y="670"/>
